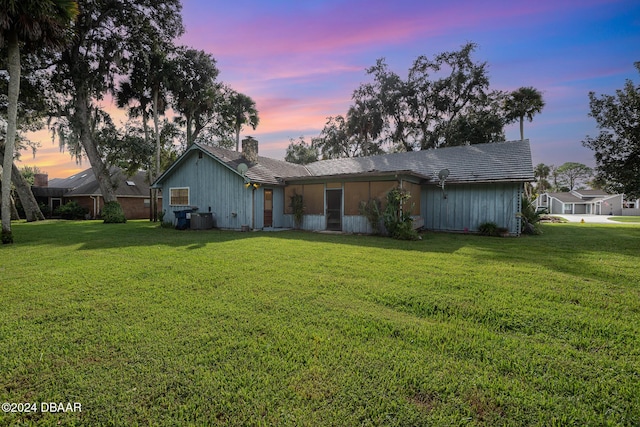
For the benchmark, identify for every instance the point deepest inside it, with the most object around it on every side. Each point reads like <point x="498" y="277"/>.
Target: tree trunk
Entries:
<point x="29" y="203"/>
<point x="12" y="206"/>
<point x="13" y="65"/>
<point x="187" y="119"/>
<point x="99" y="168"/>
<point x="237" y="139"/>
<point x="27" y="199"/>
<point x="522" y="128"/>
<point x="156" y="126"/>
<point x="14" y="211"/>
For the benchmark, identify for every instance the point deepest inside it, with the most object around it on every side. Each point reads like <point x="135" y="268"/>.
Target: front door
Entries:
<point x="268" y="208"/>
<point x="334" y="209"/>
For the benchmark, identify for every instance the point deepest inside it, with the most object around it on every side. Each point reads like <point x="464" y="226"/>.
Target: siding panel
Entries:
<point x="314" y="222"/>
<point x="467" y="206"/>
<point x="258" y="208"/>
<point x="278" y="208"/>
<point x="212" y="187"/>
<point x="356" y="224"/>
<point x="309" y="222"/>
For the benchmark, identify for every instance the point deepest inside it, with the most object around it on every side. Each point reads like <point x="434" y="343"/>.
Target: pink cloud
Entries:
<point x="280" y="114"/>
<point x="300" y="61"/>
<point x="344" y="28"/>
<point x="52" y="161"/>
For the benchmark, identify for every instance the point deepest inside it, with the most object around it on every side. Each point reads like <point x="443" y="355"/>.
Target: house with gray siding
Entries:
<point x="586" y="202"/>
<point x="483" y="183"/>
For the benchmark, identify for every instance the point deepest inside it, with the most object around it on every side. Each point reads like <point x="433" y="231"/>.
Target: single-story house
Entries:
<point x="132" y="192"/>
<point x="587" y="202"/>
<point x="631" y="207"/>
<point x="480" y="183"/>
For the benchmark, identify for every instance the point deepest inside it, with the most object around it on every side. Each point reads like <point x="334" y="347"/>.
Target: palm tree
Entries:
<point x="195" y="94"/>
<point x="524" y="102"/>
<point x="241" y="111"/>
<point x="144" y="94"/>
<point x="36" y="24"/>
<point x="541" y="172"/>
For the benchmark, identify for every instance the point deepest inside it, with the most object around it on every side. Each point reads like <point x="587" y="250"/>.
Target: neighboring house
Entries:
<point x="586" y="202"/>
<point x="631" y="207"/>
<point x="132" y="192"/>
<point x="244" y="191"/>
<point x="632" y="204"/>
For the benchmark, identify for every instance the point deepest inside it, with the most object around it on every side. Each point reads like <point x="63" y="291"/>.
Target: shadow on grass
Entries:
<point x="558" y="243"/>
<point x="92" y="235"/>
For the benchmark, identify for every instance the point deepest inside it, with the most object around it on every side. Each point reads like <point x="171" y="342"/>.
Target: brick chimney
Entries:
<point x="41" y="180"/>
<point x="250" y="149"/>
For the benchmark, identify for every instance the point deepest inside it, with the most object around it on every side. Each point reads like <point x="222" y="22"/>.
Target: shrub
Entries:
<point x="45" y="209"/>
<point x="72" y="210"/>
<point x="405" y="231"/>
<point x="372" y="210"/>
<point x="163" y="223"/>
<point x="112" y="213"/>
<point x="488" y="229"/>
<point x="529" y="217"/>
<point x="398" y="221"/>
<point x="297" y="205"/>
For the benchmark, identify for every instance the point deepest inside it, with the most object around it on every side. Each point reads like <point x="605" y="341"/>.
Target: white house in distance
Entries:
<point x="587" y="202"/>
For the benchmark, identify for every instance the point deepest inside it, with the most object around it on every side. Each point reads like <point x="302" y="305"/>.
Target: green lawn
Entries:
<point x="625" y="218"/>
<point x="150" y="326"/>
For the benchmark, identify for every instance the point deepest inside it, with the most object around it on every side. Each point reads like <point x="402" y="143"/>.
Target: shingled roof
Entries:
<point x="266" y="171"/>
<point x="499" y="161"/>
<point x="494" y="162"/>
<point x="582" y="196"/>
<point x="85" y="184"/>
<point x="566" y="197"/>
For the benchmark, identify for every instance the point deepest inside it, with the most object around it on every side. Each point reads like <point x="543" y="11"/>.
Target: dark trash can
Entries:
<point x="183" y="219"/>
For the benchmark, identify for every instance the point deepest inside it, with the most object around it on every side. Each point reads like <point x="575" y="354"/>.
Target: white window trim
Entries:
<point x="180" y="188"/>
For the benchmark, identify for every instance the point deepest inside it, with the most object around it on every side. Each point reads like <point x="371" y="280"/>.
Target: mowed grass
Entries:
<point x="625" y="218"/>
<point x="150" y="326"/>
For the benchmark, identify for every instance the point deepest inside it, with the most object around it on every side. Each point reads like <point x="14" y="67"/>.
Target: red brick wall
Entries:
<point x="133" y="207"/>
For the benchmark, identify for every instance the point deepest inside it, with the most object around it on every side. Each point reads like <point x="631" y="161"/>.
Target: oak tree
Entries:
<point x="617" y="147"/>
<point x="110" y="34"/>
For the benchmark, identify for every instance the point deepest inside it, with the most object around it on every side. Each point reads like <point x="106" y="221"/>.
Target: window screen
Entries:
<point x="313" y="198"/>
<point x="179" y="196"/>
<point x="354" y="194"/>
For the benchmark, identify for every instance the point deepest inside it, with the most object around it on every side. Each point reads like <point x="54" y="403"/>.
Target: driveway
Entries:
<point x="592" y="219"/>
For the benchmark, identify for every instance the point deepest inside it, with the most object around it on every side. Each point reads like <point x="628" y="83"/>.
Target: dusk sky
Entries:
<point x="301" y="60"/>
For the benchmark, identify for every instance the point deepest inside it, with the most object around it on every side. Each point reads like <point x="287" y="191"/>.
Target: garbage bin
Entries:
<point x="183" y="219"/>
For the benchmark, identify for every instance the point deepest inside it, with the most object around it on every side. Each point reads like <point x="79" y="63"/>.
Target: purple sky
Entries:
<point x="300" y="61"/>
